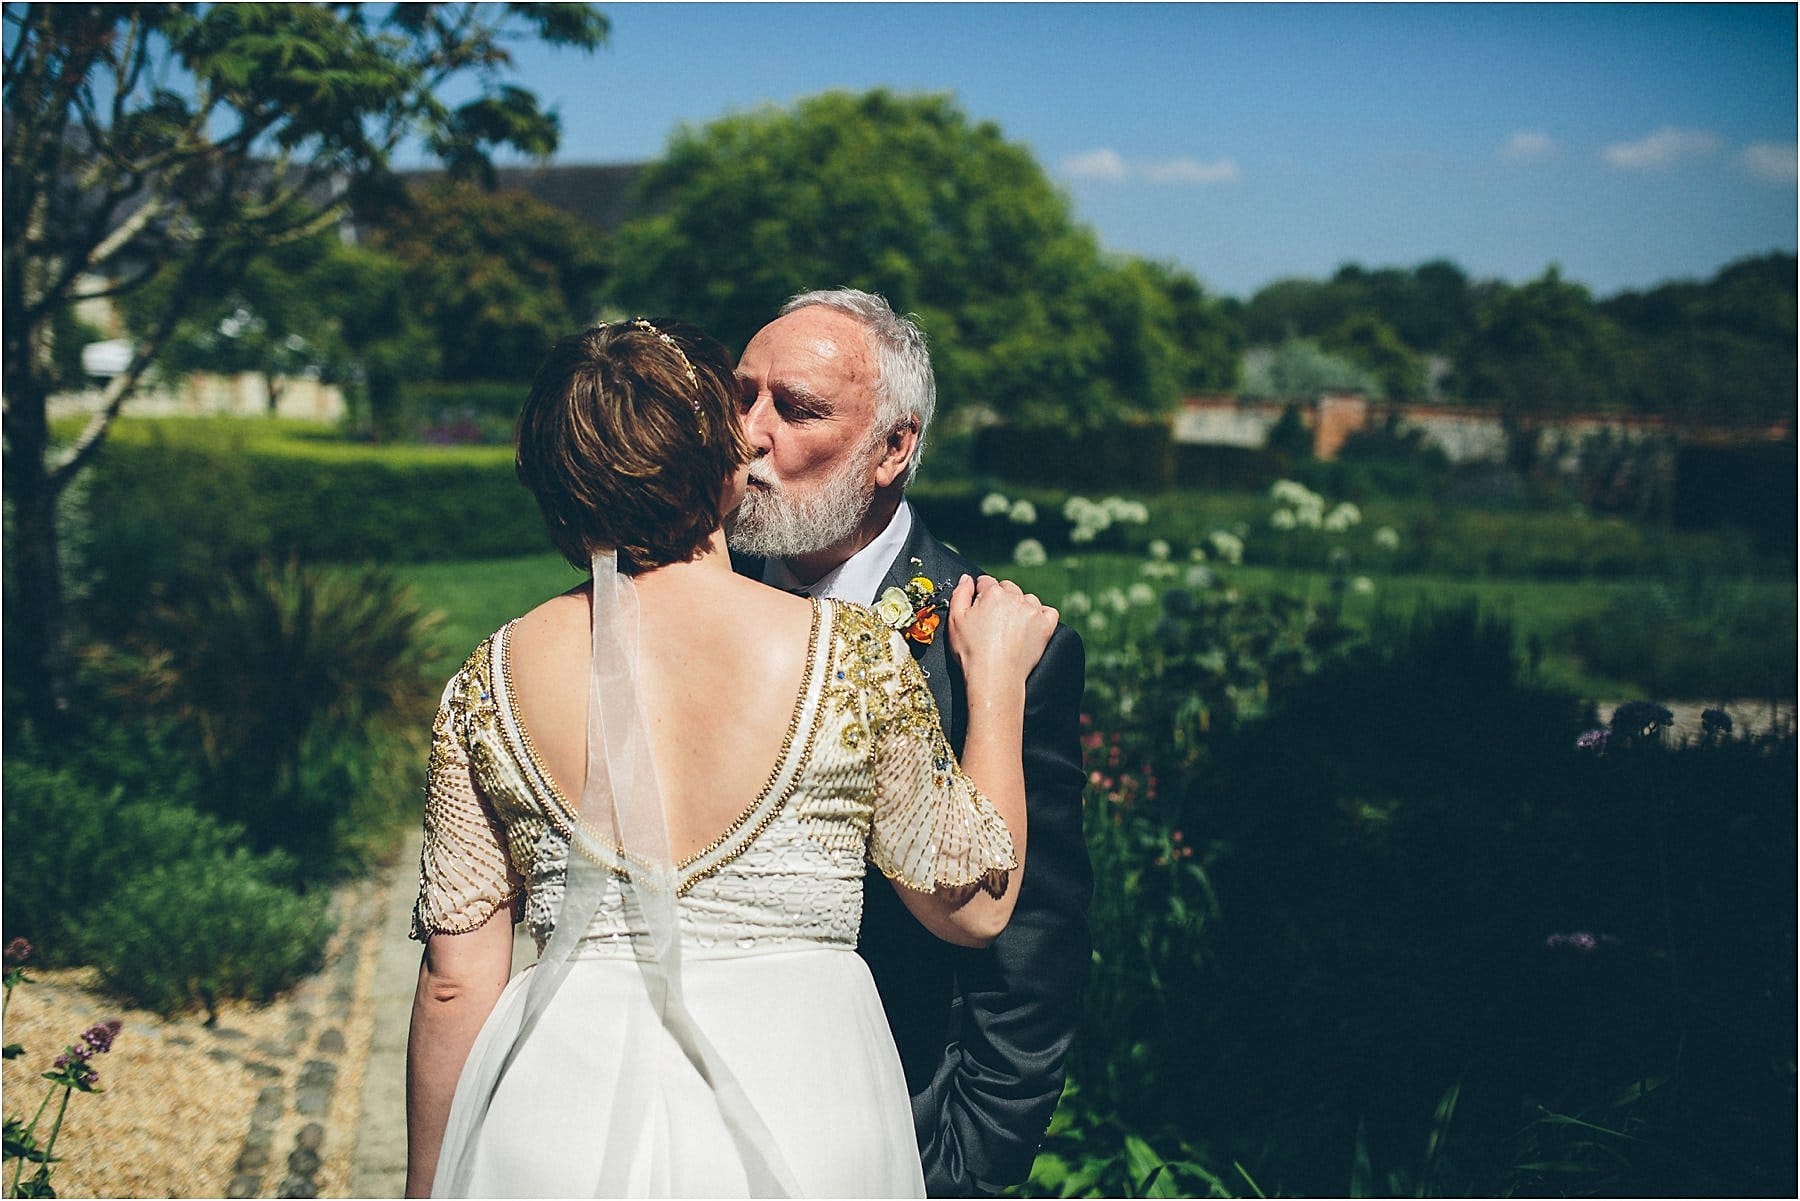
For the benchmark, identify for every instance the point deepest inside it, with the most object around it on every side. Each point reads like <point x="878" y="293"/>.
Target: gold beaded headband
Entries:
<point x="687" y="367"/>
<point x="692" y="377"/>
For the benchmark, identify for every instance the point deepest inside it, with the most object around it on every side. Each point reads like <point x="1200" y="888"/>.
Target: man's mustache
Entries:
<point x="760" y="473"/>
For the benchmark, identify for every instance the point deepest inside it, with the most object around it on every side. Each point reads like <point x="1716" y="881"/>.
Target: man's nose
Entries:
<point x="759" y="424"/>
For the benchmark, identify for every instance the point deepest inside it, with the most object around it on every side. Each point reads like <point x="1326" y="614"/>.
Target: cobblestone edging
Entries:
<point x="289" y="1128"/>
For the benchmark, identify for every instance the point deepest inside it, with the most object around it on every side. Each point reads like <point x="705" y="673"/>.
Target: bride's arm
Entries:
<point x="997" y="633"/>
<point x="460" y="977"/>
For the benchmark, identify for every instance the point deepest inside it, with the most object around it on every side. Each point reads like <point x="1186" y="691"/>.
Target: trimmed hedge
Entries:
<point x="1140" y="457"/>
<point x="168" y="499"/>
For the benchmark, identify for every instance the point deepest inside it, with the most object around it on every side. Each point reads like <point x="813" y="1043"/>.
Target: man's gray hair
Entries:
<point x="906" y="391"/>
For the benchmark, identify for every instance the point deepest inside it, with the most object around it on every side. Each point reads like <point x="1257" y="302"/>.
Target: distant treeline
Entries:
<point x="1716" y="352"/>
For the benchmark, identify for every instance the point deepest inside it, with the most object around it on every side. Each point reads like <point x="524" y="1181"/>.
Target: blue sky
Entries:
<point x="1630" y="144"/>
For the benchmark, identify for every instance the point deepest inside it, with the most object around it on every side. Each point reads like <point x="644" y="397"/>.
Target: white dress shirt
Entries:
<point x="857" y="578"/>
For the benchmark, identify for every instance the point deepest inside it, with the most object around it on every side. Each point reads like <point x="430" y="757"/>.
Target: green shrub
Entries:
<point x="70" y="842"/>
<point x="205" y="929"/>
<point x="1139" y="456"/>
<point x="164" y="900"/>
<point x="301" y="690"/>
<point x="1440" y="948"/>
<point x="1701" y="637"/>
<point x="1227" y="468"/>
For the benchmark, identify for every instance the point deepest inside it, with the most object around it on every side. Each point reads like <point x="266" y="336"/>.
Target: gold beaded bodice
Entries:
<point x="864" y="776"/>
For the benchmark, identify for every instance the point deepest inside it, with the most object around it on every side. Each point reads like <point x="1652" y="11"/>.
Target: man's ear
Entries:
<point x="897" y="452"/>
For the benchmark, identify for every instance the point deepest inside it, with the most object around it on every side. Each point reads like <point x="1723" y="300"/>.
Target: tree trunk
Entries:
<point x="36" y="659"/>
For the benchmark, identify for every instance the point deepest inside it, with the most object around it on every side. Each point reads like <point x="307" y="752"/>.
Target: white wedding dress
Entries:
<point x="599" y="1098"/>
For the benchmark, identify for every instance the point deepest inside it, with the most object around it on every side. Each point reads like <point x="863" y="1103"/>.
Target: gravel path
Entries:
<point x="266" y="1103"/>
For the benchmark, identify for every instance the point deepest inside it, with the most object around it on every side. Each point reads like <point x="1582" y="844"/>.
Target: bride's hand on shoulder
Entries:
<point x="997" y="631"/>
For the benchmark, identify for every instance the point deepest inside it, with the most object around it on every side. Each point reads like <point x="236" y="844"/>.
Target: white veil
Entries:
<point x="622" y="822"/>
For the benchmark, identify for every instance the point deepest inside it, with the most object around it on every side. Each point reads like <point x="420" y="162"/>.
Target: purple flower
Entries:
<point x="1593" y="740"/>
<point x="18" y="951"/>
<point x="98" y="1038"/>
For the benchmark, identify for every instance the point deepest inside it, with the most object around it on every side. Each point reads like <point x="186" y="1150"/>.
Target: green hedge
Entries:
<point x="168" y="499"/>
<point x="1137" y="456"/>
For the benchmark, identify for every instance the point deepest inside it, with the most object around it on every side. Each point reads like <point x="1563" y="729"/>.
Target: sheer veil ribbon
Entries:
<point x="622" y="835"/>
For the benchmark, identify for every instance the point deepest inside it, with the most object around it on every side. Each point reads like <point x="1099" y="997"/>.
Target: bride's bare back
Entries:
<point x="721" y="663"/>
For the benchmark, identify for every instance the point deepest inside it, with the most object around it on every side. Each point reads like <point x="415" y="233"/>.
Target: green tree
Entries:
<point x="1372" y="344"/>
<point x="1540" y="351"/>
<point x="905" y="196"/>
<point x="1206" y="333"/>
<point x="313" y="307"/>
<point x="499" y="276"/>
<point x="1293" y="308"/>
<point x="141" y="137"/>
<point x="1300" y="369"/>
<point x="1714" y="353"/>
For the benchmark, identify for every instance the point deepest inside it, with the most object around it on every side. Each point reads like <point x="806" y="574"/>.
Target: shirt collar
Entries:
<point x="857" y="578"/>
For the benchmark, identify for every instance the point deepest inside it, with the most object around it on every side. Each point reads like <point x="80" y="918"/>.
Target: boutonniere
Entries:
<point x="917" y="609"/>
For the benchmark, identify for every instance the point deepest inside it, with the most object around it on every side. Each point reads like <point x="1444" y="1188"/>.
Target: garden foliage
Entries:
<point x="1373" y="924"/>
<point x="164" y="900"/>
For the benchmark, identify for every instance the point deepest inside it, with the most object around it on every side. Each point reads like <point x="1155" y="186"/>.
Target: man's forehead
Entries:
<point x="810" y="340"/>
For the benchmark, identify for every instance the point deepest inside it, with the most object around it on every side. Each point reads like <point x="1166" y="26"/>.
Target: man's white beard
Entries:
<point x="771" y="524"/>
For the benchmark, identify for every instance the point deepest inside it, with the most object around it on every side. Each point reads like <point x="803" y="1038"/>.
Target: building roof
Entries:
<point x="598" y="193"/>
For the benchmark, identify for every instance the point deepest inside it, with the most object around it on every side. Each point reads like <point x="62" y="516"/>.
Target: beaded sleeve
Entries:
<point x="464" y="873"/>
<point x="931" y="826"/>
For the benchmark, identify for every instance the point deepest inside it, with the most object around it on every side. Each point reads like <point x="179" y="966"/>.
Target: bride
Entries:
<point x="674" y="776"/>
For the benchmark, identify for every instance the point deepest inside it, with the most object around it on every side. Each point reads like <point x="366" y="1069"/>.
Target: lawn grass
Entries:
<point x="477" y="596"/>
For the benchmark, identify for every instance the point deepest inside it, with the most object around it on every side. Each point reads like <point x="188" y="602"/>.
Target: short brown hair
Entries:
<point x="623" y="450"/>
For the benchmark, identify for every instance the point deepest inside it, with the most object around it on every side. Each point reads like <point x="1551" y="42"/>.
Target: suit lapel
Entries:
<point x="934" y="562"/>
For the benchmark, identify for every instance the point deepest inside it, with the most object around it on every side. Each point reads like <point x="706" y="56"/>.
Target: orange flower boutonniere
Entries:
<point x="916" y="610"/>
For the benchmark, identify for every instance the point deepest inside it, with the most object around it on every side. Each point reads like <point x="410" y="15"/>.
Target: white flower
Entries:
<point x="1362" y="585"/>
<point x="1030" y="553"/>
<point x="1023" y="512"/>
<point x="1197" y="554"/>
<point x="1076" y="510"/>
<point x="1309" y="517"/>
<point x="1159" y="550"/>
<point x="1097" y="622"/>
<point x="894" y="609"/>
<point x="1117" y="508"/>
<point x="1282" y="519"/>
<point x="1292" y="492"/>
<point x="1158" y="571"/>
<point x="1228" y="547"/>
<point x="1077" y="604"/>
<point x="1387" y="537"/>
<point x="1082" y="533"/>
<point x="993" y="504"/>
<point x="1115" y="599"/>
<point x="1342" y="517"/>
<point x="1199" y="577"/>
<point x="1141" y="593"/>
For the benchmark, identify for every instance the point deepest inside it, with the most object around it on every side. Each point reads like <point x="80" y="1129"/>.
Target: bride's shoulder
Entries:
<point x="551" y="640"/>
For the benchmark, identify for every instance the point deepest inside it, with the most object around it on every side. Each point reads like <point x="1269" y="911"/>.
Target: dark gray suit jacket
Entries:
<point x="984" y="1035"/>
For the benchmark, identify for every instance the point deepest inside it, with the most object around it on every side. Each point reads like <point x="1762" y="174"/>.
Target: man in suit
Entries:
<point x="836" y="395"/>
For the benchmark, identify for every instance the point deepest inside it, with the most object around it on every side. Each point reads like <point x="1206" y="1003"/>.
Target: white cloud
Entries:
<point x="1187" y="170"/>
<point x="1095" y="164"/>
<point x="1528" y="144"/>
<point x="1660" y="150"/>
<point x="1109" y="165"/>
<point x="1773" y="162"/>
